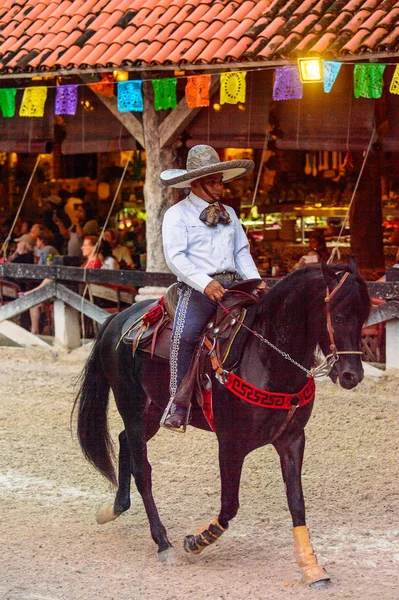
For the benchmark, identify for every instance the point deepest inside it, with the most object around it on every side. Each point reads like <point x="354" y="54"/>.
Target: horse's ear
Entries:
<point x="329" y="274"/>
<point x="352" y="266"/>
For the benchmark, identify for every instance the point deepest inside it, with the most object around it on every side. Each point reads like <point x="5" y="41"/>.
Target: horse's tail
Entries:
<point x="92" y="403"/>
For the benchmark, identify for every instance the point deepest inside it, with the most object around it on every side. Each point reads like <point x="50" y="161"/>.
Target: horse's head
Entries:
<point x="348" y="309"/>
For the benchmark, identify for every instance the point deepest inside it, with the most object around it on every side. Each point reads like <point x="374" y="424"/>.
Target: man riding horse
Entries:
<point x="206" y="248"/>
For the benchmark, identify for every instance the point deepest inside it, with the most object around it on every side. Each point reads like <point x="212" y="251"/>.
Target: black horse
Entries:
<point x="293" y="316"/>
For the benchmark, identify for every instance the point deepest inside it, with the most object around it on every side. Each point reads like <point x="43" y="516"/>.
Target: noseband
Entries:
<point x="334" y="356"/>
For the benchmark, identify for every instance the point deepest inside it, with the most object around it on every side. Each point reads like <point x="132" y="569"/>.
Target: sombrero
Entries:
<point x="202" y="161"/>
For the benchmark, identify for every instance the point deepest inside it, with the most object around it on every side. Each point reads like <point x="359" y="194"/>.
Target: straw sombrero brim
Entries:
<point x="231" y="169"/>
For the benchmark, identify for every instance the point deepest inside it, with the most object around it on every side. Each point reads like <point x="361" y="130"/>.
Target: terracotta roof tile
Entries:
<point x="390" y="42"/>
<point x="49" y="34"/>
<point x="224" y="50"/>
<point x="175" y="57"/>
<point x="116" y="54"/>
<point x="355" y="42"/>
<point x="241" y="29"/>
<point x="374" y="39"/>
<point x="163" y="55"/>
<point x="196" y="31"/>
<point x="9" y="43"/>
<point x="323" y="44"/>
<point x="136" y="52"/>
<point x="117" y="34"/>
<point x="148" y="55"/>
<point x="171" y="32"/>
<point x="140" y="34"/>
<point x="211" y="32"/>
<point x="208" y="53"/>
<point x="239" y="48"/>
<point x="191" y="54"/>
<point x="91" y="58"/>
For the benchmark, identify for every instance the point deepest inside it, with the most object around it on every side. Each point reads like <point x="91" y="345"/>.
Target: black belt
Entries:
<point x="225" y="276"/>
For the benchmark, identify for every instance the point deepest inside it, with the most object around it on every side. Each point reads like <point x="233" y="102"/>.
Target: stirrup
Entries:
<point x="166" y="414"/>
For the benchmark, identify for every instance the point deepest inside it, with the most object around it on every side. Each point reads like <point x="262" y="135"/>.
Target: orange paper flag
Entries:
<point x="197" y="90"/>
<point x="105" y="87"/>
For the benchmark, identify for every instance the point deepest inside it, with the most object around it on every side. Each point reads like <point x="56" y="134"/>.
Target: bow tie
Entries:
<point x="214" y="214"/>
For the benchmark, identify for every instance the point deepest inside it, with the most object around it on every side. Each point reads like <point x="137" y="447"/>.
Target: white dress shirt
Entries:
<point x="194" y="251"/>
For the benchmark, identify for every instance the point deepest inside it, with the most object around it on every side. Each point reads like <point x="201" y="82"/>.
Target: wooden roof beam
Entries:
<point x="129" y="121"/>
<point x="178" y="119"/>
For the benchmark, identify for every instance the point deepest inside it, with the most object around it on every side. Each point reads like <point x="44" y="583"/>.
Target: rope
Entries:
<point x="262" y="160"/>
<point x="335" y="249"/>
<point x="100" y="238"/>
<point x="7" y="240"/>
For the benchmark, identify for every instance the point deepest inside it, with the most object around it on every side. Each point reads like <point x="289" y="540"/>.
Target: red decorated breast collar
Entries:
<point x="258" y="397"/>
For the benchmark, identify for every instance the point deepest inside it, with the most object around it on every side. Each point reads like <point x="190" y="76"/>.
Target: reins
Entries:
<point x="327" y="364"/>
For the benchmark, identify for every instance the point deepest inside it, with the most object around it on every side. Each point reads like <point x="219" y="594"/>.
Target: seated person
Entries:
<point x="311" y="257"/>
<point x="92" y="262"/>
<point x="121" y="253"/>
<point x="317" y="250"/>
<point x="109" y="261"/>
<point x="24" y="251"/>
<point x="44" y="248"/>
<point x="91" y="253"/>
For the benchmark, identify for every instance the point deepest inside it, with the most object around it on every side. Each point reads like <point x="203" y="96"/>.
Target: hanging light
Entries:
<point x="310" y="70"/>
<point x="121" y="75"/>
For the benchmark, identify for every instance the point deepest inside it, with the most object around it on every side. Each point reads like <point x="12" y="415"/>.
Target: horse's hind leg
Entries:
<point x="126" y="465"/>
<point x="291" y="457"/>
<point x="141" y="470"/>
<point x="111" y="511"/>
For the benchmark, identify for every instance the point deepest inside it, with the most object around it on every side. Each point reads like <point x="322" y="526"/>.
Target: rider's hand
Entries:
<point x="214" y="290"/>
<point x="261" y="289"/>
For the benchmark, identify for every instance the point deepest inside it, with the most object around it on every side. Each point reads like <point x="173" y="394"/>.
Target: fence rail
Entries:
<point x="68" y="303"/>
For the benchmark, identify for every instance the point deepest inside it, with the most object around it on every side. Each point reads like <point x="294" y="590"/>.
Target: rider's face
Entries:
<point x="213" y="183"/>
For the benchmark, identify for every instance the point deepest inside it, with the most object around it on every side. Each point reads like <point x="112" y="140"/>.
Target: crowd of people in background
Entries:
<point x="62" y="230"/>
<point x="67" y="232"/>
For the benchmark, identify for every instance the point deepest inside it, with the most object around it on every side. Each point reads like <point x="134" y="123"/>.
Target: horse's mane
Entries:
<point x="311" y="277"/>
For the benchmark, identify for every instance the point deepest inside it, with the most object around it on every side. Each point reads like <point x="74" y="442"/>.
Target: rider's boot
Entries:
<point x="176" y="417"/>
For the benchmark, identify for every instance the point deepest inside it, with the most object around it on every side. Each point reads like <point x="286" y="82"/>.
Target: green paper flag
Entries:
<point x="7" y="101"/>
<point x="367" y="79"/>
<point x="164" y="93"/>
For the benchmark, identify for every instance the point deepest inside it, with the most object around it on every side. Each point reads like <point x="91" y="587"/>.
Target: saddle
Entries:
<point x="150" y="328"/>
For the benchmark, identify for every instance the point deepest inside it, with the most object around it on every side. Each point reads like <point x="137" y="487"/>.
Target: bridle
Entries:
<point x="324" y="368"/>
<point x="333" y="347"/>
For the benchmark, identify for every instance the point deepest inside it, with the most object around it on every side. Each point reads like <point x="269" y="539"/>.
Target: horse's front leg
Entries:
<point x="291" y="457"/>
<point x="231" y="459"/>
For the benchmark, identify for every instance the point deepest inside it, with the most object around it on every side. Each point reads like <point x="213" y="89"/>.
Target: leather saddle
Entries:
<point x="150" y="328"/>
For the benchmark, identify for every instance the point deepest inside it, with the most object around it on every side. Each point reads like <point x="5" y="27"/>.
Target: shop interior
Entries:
<point x="297" y="193"/>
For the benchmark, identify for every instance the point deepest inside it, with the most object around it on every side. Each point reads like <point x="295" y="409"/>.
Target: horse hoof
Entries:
<point x="167" y="557"/>
<point x="106" y="514"/>
<point x="190" y="545"/>
<point x="323" y="584"/>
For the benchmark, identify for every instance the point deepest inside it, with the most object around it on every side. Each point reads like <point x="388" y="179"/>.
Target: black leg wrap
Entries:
<point x="195" y="544"/>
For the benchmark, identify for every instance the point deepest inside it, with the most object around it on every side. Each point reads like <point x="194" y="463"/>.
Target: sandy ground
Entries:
<point x="52" y="548"/>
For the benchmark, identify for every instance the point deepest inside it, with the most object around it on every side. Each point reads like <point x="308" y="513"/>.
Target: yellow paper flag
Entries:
<point x="394" y="87"/>
<point x="232" y="87"/>
<point x="33" y="102"/>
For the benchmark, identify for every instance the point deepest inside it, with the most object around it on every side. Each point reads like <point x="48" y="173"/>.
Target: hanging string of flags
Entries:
<point x="288" y="85"/>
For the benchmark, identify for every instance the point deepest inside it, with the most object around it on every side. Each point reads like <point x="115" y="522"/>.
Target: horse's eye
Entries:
<point x="339" y="319"/>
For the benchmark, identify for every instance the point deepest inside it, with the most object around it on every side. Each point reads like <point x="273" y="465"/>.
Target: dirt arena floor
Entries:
<point x="52" y="548"/>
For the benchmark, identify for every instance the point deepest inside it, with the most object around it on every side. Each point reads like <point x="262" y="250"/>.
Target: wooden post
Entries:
<point x="157" y="197"/>
<point x="392" y="344"/>
<point x="66" y="326"/>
